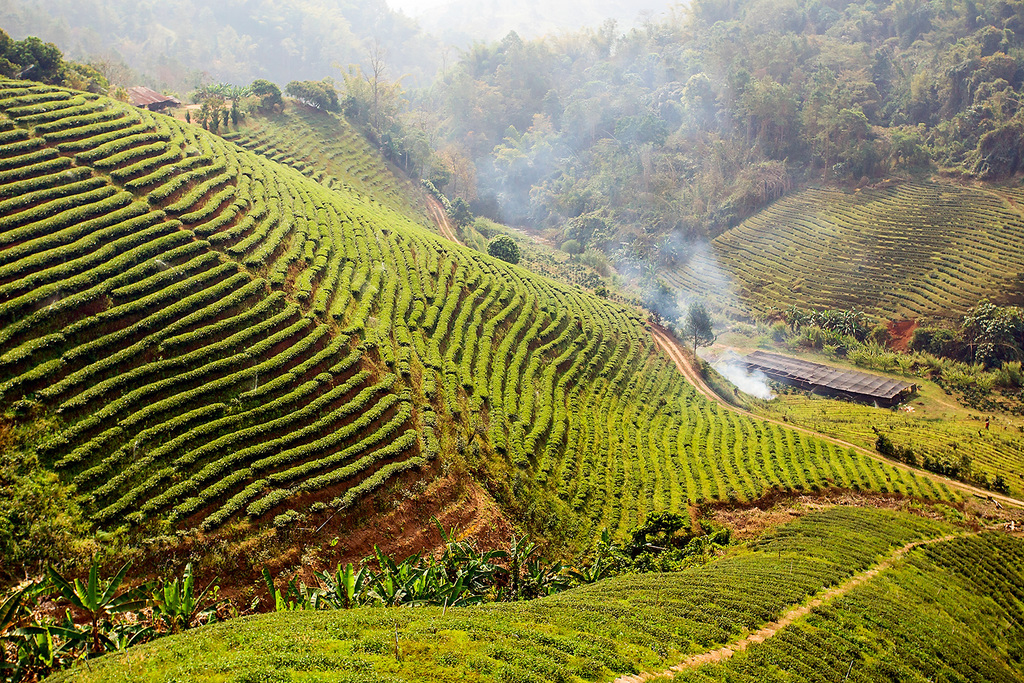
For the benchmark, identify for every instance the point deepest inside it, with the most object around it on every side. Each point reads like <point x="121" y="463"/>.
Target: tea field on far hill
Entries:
<point x="915" y="250"/>
<point x="328" y="149"/>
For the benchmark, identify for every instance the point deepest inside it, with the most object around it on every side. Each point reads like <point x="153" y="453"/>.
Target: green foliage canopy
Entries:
<point x="319" y="94"/>
<point x="505" y="248"/>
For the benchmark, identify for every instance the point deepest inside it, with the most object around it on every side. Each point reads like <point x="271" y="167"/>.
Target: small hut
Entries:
<point x="146" y="98"/>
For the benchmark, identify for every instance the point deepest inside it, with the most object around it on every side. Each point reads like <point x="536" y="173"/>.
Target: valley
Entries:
<point x="444" y="376"/>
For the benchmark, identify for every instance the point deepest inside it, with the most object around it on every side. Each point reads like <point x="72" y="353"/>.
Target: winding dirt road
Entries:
<point x="671" y="346"/>
<point x="436" y="212"/>
<point x="770" y="629"/>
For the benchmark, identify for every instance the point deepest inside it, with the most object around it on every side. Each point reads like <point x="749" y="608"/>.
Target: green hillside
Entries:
<point x="932" y="612"/>
<point x="910" y="251"/>
<point x="951" y="611"/>
<point x="197" y="335"/>
<point x="328" y="149"/>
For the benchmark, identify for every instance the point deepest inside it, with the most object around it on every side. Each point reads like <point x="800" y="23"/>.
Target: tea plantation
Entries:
<point x="912" y="251"/>
<point x="211" y="336"/>
<point x="332" y="152"/>
<point x="646" y="622"/>
<point x="952" y="611"/>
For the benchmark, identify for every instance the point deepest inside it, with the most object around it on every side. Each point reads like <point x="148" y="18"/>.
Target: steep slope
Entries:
<point x="328" y="149"/>
<point x="207" y="335"/>
<point x="180" y="383"/>
<point x="910" y="251"/>
<point x="642" y="622"/>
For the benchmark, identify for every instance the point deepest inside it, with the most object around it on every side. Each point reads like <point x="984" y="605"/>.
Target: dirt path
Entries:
<point x="770" y="629"/>
<point x="671" y="346"/>
<point x="436" y="212"/>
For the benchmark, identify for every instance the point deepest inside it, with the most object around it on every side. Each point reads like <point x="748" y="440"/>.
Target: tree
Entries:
<point x="32" y="59"/>
<point x="319" y="94"/>
<point x="378" y="64"/>
<point x="461" y="215"/>
<point x="269" y="93"/>
<point x="698" y="326"/>
<point x="210" y="112"/>
<point x="505" y="248"/>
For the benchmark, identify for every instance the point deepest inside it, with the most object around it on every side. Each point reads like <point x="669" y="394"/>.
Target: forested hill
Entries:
<point x="176" y="43"/>
<point x="681" y="128"/>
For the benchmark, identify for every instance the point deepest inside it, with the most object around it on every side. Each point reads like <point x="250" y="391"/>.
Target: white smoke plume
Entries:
<point x="754" y="383"/>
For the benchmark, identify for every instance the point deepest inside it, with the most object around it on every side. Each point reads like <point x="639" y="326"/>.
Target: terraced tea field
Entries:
<point x="933" y="617"/>
<point x="643" y="622"/>
<point x="212" y="336"/>
<point x="328" y="149"/>
<point x="912" y="251"/>
<point x="930" y="431"/>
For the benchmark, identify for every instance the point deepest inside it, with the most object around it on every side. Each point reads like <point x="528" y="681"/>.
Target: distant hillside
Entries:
<point x="177" y="42"/>
<point x="947" y="610"/>
<point x="464" y="22"/>
<point x="648" y="143"/>
<point x="193" y="335"/>
<point x="909" y="251"/>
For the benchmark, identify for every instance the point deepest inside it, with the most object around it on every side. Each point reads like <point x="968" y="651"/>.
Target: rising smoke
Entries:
<point x="728" y="364"/>
<point x="753" y="383"/>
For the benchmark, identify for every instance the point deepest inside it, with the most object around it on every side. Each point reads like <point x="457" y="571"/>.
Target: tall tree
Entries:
<point x="699" y="327"/>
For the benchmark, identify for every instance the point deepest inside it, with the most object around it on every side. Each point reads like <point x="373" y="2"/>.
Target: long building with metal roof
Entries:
<point x="830" y="381"/>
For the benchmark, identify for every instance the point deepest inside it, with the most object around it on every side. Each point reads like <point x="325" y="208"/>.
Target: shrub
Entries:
<point x="505" y="248"/>
<point x="934" y="340"/>
<point x="1009" y="376"/>
<point x="572" y="247"/>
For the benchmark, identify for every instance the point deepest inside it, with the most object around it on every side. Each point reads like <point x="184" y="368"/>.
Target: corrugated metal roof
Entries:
<point x="847" y="381"/>
<point x="141" y="96"/>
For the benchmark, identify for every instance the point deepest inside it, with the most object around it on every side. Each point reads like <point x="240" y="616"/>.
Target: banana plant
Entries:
<point x="40" y="649"/>
<point x="458" y="595"/>
<point x="393" y="584"/>
<point x="294" y="597"/>
<point x="99" y="599"/>
<point x="603" y="564"/>
<point x="519" y="553"/>
<point x="11" y="612"/>
<point x="540" y="579"/>
<point x="345" y="588"/>
<point x="178" y="606"/>
<point x="124" y="636"/>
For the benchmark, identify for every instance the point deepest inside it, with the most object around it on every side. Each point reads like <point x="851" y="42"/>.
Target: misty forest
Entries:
<point x="437" y="340"/>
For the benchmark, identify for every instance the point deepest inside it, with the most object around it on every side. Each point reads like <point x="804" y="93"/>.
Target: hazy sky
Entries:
<point x="414" y="8"/>
<point x="464" y="21"/>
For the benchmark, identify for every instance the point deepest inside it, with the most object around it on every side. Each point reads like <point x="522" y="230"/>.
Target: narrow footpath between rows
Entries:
<point x="671" y="346"/>
<point x="770" y="629"/>
<point x="437" y="212"/>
